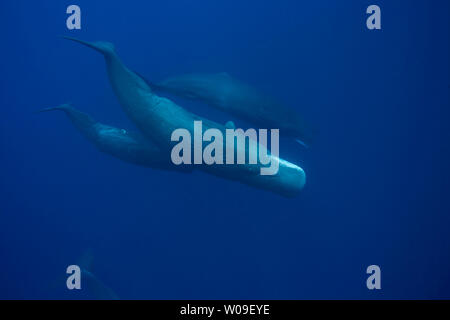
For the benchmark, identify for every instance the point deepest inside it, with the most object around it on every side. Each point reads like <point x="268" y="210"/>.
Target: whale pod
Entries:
<point x="158" y="117"/>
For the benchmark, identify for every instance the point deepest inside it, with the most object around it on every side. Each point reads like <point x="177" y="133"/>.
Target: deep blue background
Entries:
<point x="378" y="172"/>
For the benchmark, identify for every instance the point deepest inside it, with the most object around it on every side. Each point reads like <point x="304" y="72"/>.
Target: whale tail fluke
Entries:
<point x="101" y="46"/>
<point x="96" y="287"/>
<point x="80" y="119"/>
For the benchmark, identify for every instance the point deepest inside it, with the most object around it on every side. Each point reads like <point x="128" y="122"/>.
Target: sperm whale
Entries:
<point x="224" y="92"/>
<point x="126" y="145"/>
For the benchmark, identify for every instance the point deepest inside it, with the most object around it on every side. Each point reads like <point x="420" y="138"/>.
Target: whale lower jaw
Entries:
<point x="288" y="182"/>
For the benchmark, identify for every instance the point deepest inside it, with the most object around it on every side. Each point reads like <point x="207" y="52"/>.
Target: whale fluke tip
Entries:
<point x="101" y="46"/>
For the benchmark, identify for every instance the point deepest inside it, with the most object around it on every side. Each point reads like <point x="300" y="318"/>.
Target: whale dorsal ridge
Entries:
<point x="230" y="125"/>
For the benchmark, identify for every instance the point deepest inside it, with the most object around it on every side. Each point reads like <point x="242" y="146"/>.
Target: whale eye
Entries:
<point x="124" y="131"/>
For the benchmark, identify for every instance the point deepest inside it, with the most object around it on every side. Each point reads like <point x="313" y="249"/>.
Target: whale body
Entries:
<point x="126" y="145"/>
<point x="223" y="92"/>
<point x="157" y="117"/>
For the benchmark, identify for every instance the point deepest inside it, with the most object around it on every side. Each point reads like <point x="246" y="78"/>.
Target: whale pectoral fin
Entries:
<point x="302" y="143"/>
<point x="62" y="107"/>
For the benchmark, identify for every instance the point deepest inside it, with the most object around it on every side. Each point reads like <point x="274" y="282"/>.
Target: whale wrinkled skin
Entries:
<point x="157" y="117"/>
<point x="223" y="92"/>
<point x="128" y="146"/>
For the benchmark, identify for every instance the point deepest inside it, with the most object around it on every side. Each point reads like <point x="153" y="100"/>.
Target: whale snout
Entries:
<point x="292" y="178"/>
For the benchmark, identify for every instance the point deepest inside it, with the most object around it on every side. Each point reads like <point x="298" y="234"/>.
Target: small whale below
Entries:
<point x="96" y="288"/>
<point x="126" y="145"/>
<point x="223" y="92"/>
<point x="92" y="288"/>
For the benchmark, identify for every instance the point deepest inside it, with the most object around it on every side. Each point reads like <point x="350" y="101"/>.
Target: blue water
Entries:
<point x="378" y="172"/>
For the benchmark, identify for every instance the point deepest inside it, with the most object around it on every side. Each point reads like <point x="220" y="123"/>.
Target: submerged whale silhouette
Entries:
<point x="222" y="91"/>
<point x="157" y="117"/>
<point x="90" y="283"/>
<point x="126" y="145"/>
<point x="98" y="289"/>
<point x="91" y="286"/>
